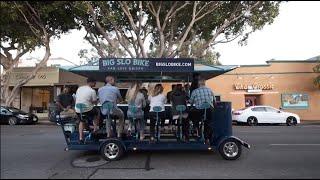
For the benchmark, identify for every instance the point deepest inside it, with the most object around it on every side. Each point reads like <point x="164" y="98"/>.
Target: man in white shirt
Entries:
<point x="87" y="96"/>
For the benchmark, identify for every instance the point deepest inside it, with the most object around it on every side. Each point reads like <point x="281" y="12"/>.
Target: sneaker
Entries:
<point x="81" y="141"/>
<point x="152" y="140"/>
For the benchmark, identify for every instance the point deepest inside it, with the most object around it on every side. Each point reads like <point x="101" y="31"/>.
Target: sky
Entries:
<point x="294" y="35"/>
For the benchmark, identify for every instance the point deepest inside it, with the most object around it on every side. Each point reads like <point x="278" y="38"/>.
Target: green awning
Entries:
<point x="206" y="71"/>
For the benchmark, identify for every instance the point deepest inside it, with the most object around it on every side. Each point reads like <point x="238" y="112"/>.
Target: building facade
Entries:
<point x="43" y="89"/>
<point x="281" y="84"/>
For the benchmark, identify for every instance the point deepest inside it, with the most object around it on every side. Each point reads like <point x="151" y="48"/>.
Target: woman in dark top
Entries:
<point x="179" y="97"/>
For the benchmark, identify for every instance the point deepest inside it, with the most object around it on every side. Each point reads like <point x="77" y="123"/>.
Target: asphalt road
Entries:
<point x="37" y="151"/>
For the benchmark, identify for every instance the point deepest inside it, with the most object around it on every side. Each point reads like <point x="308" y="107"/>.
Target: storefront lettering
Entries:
<point x="42" y="76"/>
<point x="125" y="62"/>
<point x="253" y="86"/>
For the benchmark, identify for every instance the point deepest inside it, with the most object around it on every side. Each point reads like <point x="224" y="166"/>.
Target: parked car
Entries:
<point x="255" y="115"/>
<point x="13" y="116"/>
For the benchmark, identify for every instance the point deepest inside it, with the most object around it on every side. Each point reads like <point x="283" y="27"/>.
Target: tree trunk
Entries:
<point x="9" y="97"/>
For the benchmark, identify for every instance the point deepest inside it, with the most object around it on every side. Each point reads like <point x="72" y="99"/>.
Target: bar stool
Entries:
<point x="108" y="106"/>
<point x="82" y="107"/>
<point x="133" y="109"/>
<point x="157" y="110"/>
<point x="204" y="106"/>
<point x="180" y="109"/>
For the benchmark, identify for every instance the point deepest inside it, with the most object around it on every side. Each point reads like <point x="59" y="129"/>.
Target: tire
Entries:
<point x="112" y="150"/>
<point x="36" y="121"/>
<point x="252" y="121"/>
<point x="13" y="121"/>
<point x="291" y="121"/>
<point x="230" y="149"/>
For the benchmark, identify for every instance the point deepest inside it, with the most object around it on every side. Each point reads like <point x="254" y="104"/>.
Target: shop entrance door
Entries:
<point x="252" y="100"/>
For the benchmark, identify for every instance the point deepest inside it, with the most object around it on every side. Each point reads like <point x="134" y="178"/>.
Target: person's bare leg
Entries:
<point x="118" y="112"/>
<point x="81" y="124"/>
<point x="108" y="128"/>
<point x="96" y="122"/>
<point x="121" y="126"/>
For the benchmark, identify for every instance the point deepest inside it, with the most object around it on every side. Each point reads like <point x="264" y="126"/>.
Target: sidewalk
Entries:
<point x="316" y="122"/>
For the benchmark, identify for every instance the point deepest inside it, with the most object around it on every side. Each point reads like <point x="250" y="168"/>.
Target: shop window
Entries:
<point x="295" y="101"/>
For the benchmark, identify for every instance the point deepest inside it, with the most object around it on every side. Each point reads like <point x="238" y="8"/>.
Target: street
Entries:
<point x="37" y="151"/>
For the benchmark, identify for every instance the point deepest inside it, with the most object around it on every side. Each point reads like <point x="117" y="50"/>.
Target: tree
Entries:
<point x="167" y="28"/>
<point x="29" y="25"/>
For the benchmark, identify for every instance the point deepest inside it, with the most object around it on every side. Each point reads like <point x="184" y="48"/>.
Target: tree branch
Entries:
<point x="126" y="10"/>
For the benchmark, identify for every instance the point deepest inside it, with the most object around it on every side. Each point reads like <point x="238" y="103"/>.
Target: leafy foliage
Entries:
<point x="173" y="27"/>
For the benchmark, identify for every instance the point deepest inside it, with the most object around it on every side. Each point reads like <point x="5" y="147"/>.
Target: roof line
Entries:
<point x="292" y="61"/>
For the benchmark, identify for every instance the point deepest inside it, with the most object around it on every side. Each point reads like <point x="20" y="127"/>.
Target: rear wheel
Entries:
<point x="13" y="121"/>
<point x="291" y="121"/>
<point x="252" y="121"/>
<point x="230" y="149"/>
<point x="112" y="150"/>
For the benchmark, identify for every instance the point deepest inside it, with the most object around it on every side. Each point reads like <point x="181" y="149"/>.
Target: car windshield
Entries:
<point x="15" y="110"/>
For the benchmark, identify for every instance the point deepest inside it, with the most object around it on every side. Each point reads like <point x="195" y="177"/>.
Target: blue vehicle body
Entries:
<point x="221" y="125"/>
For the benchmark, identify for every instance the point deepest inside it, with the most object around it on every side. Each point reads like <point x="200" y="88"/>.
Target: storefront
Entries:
<point x="281" y="84"/>
<point x="43" y="89"/>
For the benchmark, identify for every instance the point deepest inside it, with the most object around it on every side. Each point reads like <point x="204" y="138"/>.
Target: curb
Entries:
<point x="310" y="122"/>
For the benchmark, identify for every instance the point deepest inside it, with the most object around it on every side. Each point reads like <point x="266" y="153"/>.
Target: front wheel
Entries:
<point x="13" y="121"/>
<point x="230" y="149"/>
<point x="291" y="121"/>
<point x="112" y="150"/>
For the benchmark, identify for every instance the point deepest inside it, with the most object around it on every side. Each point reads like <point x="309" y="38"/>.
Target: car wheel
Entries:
<point x="230" y="149"/>
<point x="35" y="119"/>
<point x="252" y="121"/>
<point x="291" y="121"/>
<point x="13" y="121"/>
<point x="112" y="150"/>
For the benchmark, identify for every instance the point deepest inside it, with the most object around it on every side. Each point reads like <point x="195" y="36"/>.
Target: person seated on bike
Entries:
<point x="156" y="99"/>
<point x="136" y="98"/>
<point x="199" y="96"/>
<point x="110" y="93"/>
<point x="169" y="101"/>
<point x="179" y="97"/>
<point x="65" y="102"/>
<point x="87" y="95"/>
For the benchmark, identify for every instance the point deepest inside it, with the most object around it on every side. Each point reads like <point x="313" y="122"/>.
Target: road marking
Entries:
<point x="294" y="144"/>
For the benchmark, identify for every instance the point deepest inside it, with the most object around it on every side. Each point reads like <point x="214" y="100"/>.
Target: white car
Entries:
<point x="264" y="114"/>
